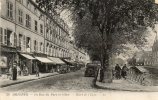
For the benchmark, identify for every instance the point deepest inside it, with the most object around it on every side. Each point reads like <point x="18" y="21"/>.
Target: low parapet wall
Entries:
<point x="140" y="75"/>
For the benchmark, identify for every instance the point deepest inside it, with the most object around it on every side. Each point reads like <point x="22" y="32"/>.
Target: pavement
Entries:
<point x="126" y="85"/>
<point x="4" y="81"/>
<point x="68" y="82"/>
<point x="71" y="81"/>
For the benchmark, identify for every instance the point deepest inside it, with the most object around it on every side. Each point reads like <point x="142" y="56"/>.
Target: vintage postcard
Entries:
<point x="79" y="49"/>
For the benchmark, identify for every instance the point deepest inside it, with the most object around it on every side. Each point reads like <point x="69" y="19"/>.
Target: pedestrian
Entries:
<point x="37" y="70"/>
<point x="25" y="71"/>
<point x="10" y="73"/>
<point x="117" y="71"/>
<point x="19" y="70"/>
<point x="124" y="71"/>
<point x="14" y="71"/>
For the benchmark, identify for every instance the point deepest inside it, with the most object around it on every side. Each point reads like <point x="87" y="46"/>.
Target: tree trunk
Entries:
<point x="106" y="72"/>
<point x="102" y="69"/>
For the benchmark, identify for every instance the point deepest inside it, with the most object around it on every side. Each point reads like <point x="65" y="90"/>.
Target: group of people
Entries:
<point x="15" y="71"/>
<point x="120" y="72"/>
<point x="19" y="70"/>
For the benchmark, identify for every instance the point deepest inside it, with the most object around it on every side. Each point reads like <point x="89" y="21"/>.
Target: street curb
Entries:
<point x="110" y="88"/>
<point x="16" y="83"/>
<point x="1" y="86"/>
<point x="47" y="76"/>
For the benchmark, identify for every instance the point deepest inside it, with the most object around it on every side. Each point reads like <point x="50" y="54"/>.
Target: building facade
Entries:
<point x="155" y="53"/>
<point x="143" y="58"/>
<point x="27" y="32"/>
<point x="77" y="54"/>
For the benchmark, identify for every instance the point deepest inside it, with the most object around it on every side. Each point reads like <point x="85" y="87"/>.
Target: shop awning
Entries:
<point x="28" y="56"/>
<point x="69" y="62"/>
<point x="56" y="60"/>
<point x="44" y="60"/>
<point x="8" y="49"/>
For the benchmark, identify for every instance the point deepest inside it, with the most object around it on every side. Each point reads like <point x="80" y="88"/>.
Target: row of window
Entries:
<point x="7" y="37"/>
<point x="28" y="21"/>
<point x="155" y="47"/>
<point x="55" y="36"/>
<point x="155" y="54"/>
<point x="58" y="40"/>
<point x="25" y="43"/>
<point x="38" y="13"/>
<point x="56" y="51"/>
<point x="20" y="18"/>
<point x="32" y="8"/>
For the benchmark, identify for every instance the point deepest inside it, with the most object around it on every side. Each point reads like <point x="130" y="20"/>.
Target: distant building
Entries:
<point x="143" y="58"/>
<point x="77" y="54"/>
<point x="155" y="53"/>
<point x="146" y="58"/>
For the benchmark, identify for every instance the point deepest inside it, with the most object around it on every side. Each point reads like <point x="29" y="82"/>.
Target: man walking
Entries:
<point x="118" y="71"/>
<point x="14" y="77"/>
<point x="37" y="70"/>
<point x="124" y="71"/>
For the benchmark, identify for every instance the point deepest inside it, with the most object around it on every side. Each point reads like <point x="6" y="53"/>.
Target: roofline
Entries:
<point x="48" y="15"/>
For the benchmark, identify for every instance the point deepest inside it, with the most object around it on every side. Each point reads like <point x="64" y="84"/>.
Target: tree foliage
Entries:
<point x="117" y="21"/>
<point x="105" y="26"/>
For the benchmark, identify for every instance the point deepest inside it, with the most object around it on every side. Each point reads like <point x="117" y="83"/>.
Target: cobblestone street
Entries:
<point x="74" y="81"/>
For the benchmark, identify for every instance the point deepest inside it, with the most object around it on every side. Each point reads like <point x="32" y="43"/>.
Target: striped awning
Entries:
<point x="44" y="60"/>
<point x="69" y="62"/>
<point x="56" y="60"/>
<point x="28" y="56"/>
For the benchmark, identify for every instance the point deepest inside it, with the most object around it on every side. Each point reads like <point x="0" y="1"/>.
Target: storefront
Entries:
<point x="60" y="65"/>
<point x="3" y="64"/>
<point x="69" y="62"/>
<point x="26" y="64"/>
<point x="7" y="57"/>
<point x="72" y="65"/>
<point x="44" y="64"/>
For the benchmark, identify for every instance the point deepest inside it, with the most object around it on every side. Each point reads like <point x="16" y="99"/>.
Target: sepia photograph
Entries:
<point x="78" y="48"/>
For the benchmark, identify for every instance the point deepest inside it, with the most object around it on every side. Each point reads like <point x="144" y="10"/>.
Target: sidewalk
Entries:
<point x="126" y="85"/>
<point x="4" y="81"/>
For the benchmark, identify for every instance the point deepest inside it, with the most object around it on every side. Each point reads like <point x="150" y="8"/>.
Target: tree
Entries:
<point x="118" y="21"/>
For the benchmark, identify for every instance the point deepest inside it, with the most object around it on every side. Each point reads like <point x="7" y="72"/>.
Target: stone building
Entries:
<point x="155" y="53"/>
<point x="29" y="35"/>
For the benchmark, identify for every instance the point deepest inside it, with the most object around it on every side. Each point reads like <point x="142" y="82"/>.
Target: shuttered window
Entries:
<point x="15" y="39"/>
<point x="20" y="15"/>
<point x="24" y="43"/>
<point x="28" y="21"/>
<point x="5" y="37"/>
<point x="1" y="35"/>
<point x="9" y="10"/>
